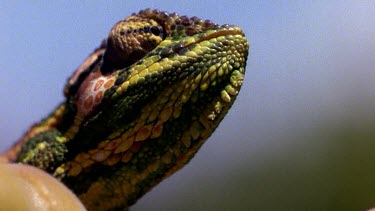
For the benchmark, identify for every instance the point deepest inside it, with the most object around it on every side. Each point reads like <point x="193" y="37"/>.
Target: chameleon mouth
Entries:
<point x="223" y="32"/>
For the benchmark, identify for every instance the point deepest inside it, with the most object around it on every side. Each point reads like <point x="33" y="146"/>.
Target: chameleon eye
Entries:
<point x="155" y="30"/>
<point x="129" y="42"/>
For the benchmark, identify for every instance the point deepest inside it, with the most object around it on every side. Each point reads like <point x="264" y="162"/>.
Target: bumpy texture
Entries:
<point x="139" y="107"/>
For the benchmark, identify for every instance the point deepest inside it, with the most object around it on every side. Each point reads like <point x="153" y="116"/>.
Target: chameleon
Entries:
<point x="139" y="107"/>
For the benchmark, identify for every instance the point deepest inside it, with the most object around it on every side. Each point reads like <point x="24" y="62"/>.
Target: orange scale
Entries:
<point x="143" y="133"/>
<point x="112" y="145"/>
<point x="87" y="163"/>
<point x="124" y="145"/>
<point x="101" y="155"/>
<point x="103" y="144"/>
<point x="156" y="131"/>
<point x="136" y="146"/>
<point x="112" y="160"/>
<point x="82" y="157"/>
<point x="93" y="151"/>
<point x="108" y="84"/>
<point x="98" y="84"/>
<point x="88" y="102"/>
<point x="126" y="157"/>
<point x="98" y="97"/>
<point x="75" y="169"/>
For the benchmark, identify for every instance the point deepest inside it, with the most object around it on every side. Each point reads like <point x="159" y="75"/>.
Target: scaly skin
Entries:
<point x="139" y="107"/>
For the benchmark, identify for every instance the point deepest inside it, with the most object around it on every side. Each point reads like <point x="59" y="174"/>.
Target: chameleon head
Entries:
<point x="140" y="106"/>
<point x="163" y="105"/>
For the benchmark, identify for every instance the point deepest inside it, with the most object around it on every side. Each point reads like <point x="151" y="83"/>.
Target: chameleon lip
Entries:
<point x="225" y="32"/>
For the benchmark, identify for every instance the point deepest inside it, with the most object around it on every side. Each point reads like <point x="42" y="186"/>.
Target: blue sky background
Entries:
<point x="301" y="134"/>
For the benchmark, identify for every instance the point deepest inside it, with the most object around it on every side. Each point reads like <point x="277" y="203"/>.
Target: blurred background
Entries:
<point x="301" y="135"/>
